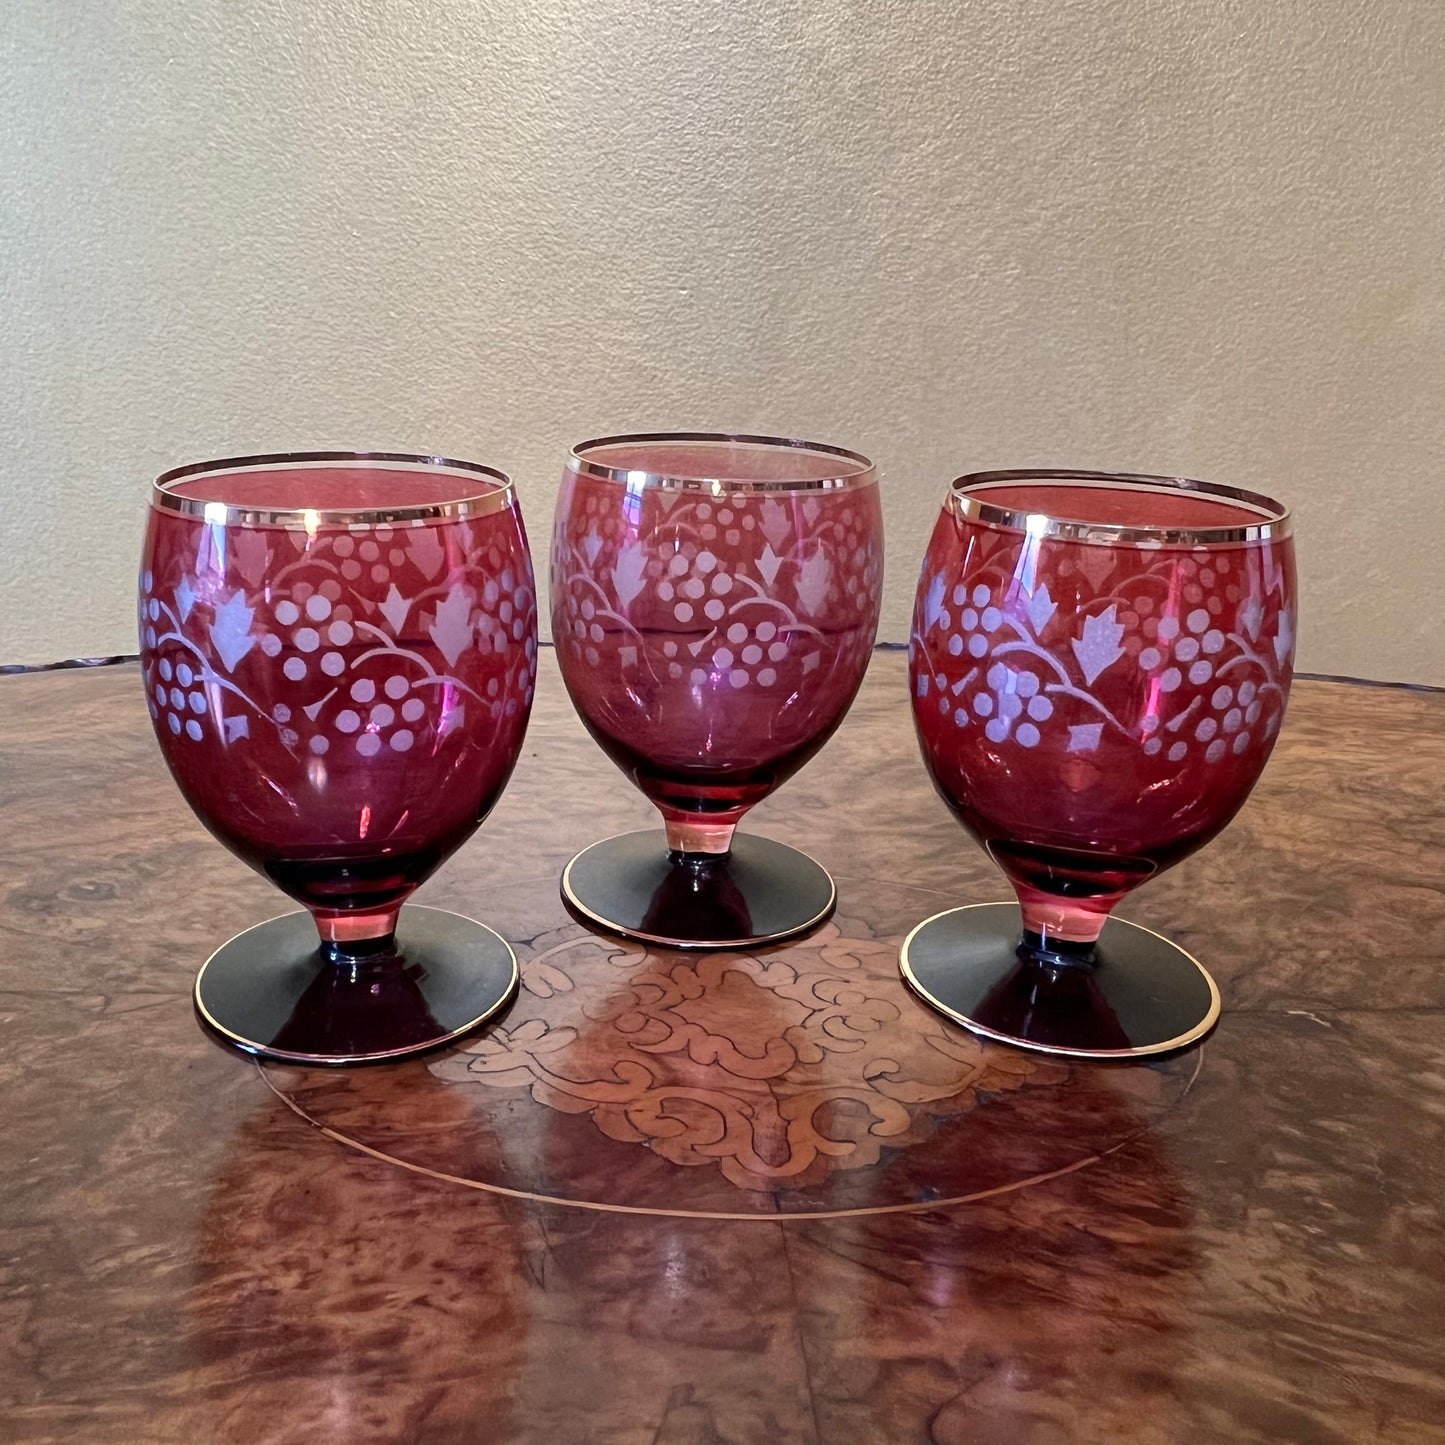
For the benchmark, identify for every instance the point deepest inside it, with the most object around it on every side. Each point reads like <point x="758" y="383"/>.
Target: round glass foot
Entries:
<point x="759" y="892"/>
<point x="1143" y="995"/>
<point x="272" y="992"/>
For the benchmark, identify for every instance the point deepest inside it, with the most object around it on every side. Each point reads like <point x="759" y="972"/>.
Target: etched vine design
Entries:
<point x="1214" y="681"/>
<point x="731" y="586"/>
<point x="313" y="617"/>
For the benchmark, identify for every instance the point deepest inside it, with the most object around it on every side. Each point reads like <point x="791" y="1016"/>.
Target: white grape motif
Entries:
<point x="346" y="671"/>
<point x="1185" y="656"/>
<point x="741" y="591"/>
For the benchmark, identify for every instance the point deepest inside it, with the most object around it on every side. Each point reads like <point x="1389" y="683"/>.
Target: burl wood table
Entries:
<point x="729" y="1198"/>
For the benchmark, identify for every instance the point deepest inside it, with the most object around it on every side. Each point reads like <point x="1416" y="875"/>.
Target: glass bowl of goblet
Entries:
<point x="338" y="652"/>
<point x="1099" y="666"/>
<point x="714" y="603"/>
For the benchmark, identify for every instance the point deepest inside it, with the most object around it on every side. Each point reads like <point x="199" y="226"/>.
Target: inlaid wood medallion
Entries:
<point x="796" y="1080"/>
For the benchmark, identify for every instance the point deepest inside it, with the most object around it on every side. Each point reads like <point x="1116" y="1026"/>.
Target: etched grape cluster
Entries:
<point x="859" y="563"/>
<point x="745" y="652"/>
<point x="324" y="644"/>
<point x="178" y="699"/>
<point x="693" y="585"/>
<point x="1193" y="654"/>
<point x="315" y="625"/>
<point x="1221" y="719"/>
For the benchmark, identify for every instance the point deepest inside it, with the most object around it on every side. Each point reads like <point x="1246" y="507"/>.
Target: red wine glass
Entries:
<point x="714" y="603"/>
<point x="338" y="652"/>
<point x="1099" y="667"/>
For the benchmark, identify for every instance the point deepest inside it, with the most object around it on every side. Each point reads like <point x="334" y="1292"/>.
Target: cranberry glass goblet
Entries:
<point x="714" y="602"/>
<point x="1099" y="667"/>
<point x="338" y="652"/>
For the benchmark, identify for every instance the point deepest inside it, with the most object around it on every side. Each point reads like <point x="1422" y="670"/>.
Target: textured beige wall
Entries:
<point x="1201" y="236"/>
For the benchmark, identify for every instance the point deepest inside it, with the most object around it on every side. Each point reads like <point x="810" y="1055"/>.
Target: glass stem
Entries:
<point x="693" y="838"/>
<point x="1062" y="932"/>
<point x="351" y="939"/>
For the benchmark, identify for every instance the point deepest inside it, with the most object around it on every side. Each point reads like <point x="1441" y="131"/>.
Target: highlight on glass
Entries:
<point x="714" y="605"/>
<point x="1099" y="667"/>
<point x="338" y="652"/>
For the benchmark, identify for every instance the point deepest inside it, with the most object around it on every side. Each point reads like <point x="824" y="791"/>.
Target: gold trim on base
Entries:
<point x="756" y="941"/>
<point x="1168" y="1046"/>
<point x="267" y="1053"/>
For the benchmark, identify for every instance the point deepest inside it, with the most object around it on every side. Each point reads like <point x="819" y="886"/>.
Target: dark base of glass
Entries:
<point x="1143" y="995"/>
<point x="271" y="991"/>
<point x="759" y="892"/>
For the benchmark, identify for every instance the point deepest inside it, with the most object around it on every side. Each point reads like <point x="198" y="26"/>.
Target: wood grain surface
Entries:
<point x="752" y="1198"/>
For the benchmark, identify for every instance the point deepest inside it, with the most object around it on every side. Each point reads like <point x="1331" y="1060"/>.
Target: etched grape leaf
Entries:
<point x="1085" y="737"/>
<point x="775" y="523"/>
<point x="452" y="629"/>
<point x="768" y="565"/>
<point x="427" y="552"/>
<point x="252" y="555"/>
<point x="813" y="578"/>
<point x="1096" y="563"/>
<point x="1251" y="616"/>
<point x="811" y="508"/>
<point x="185" y="598"/>
<point x="1040" y="607"/>
<point x="207" y="557"/>
<point x="591" y="546"/>
<point x="1099" y="647"/>
<point x="452" y="720"/>
<point x="237" y="728"/>
<point x="1284" y="637"/>
<point x="933" y="602"/>
<point x="1273" y="572"/>
<point x="231" y="631"/>
<point x="395" y="609"/>
<point x="627" y="573"/>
